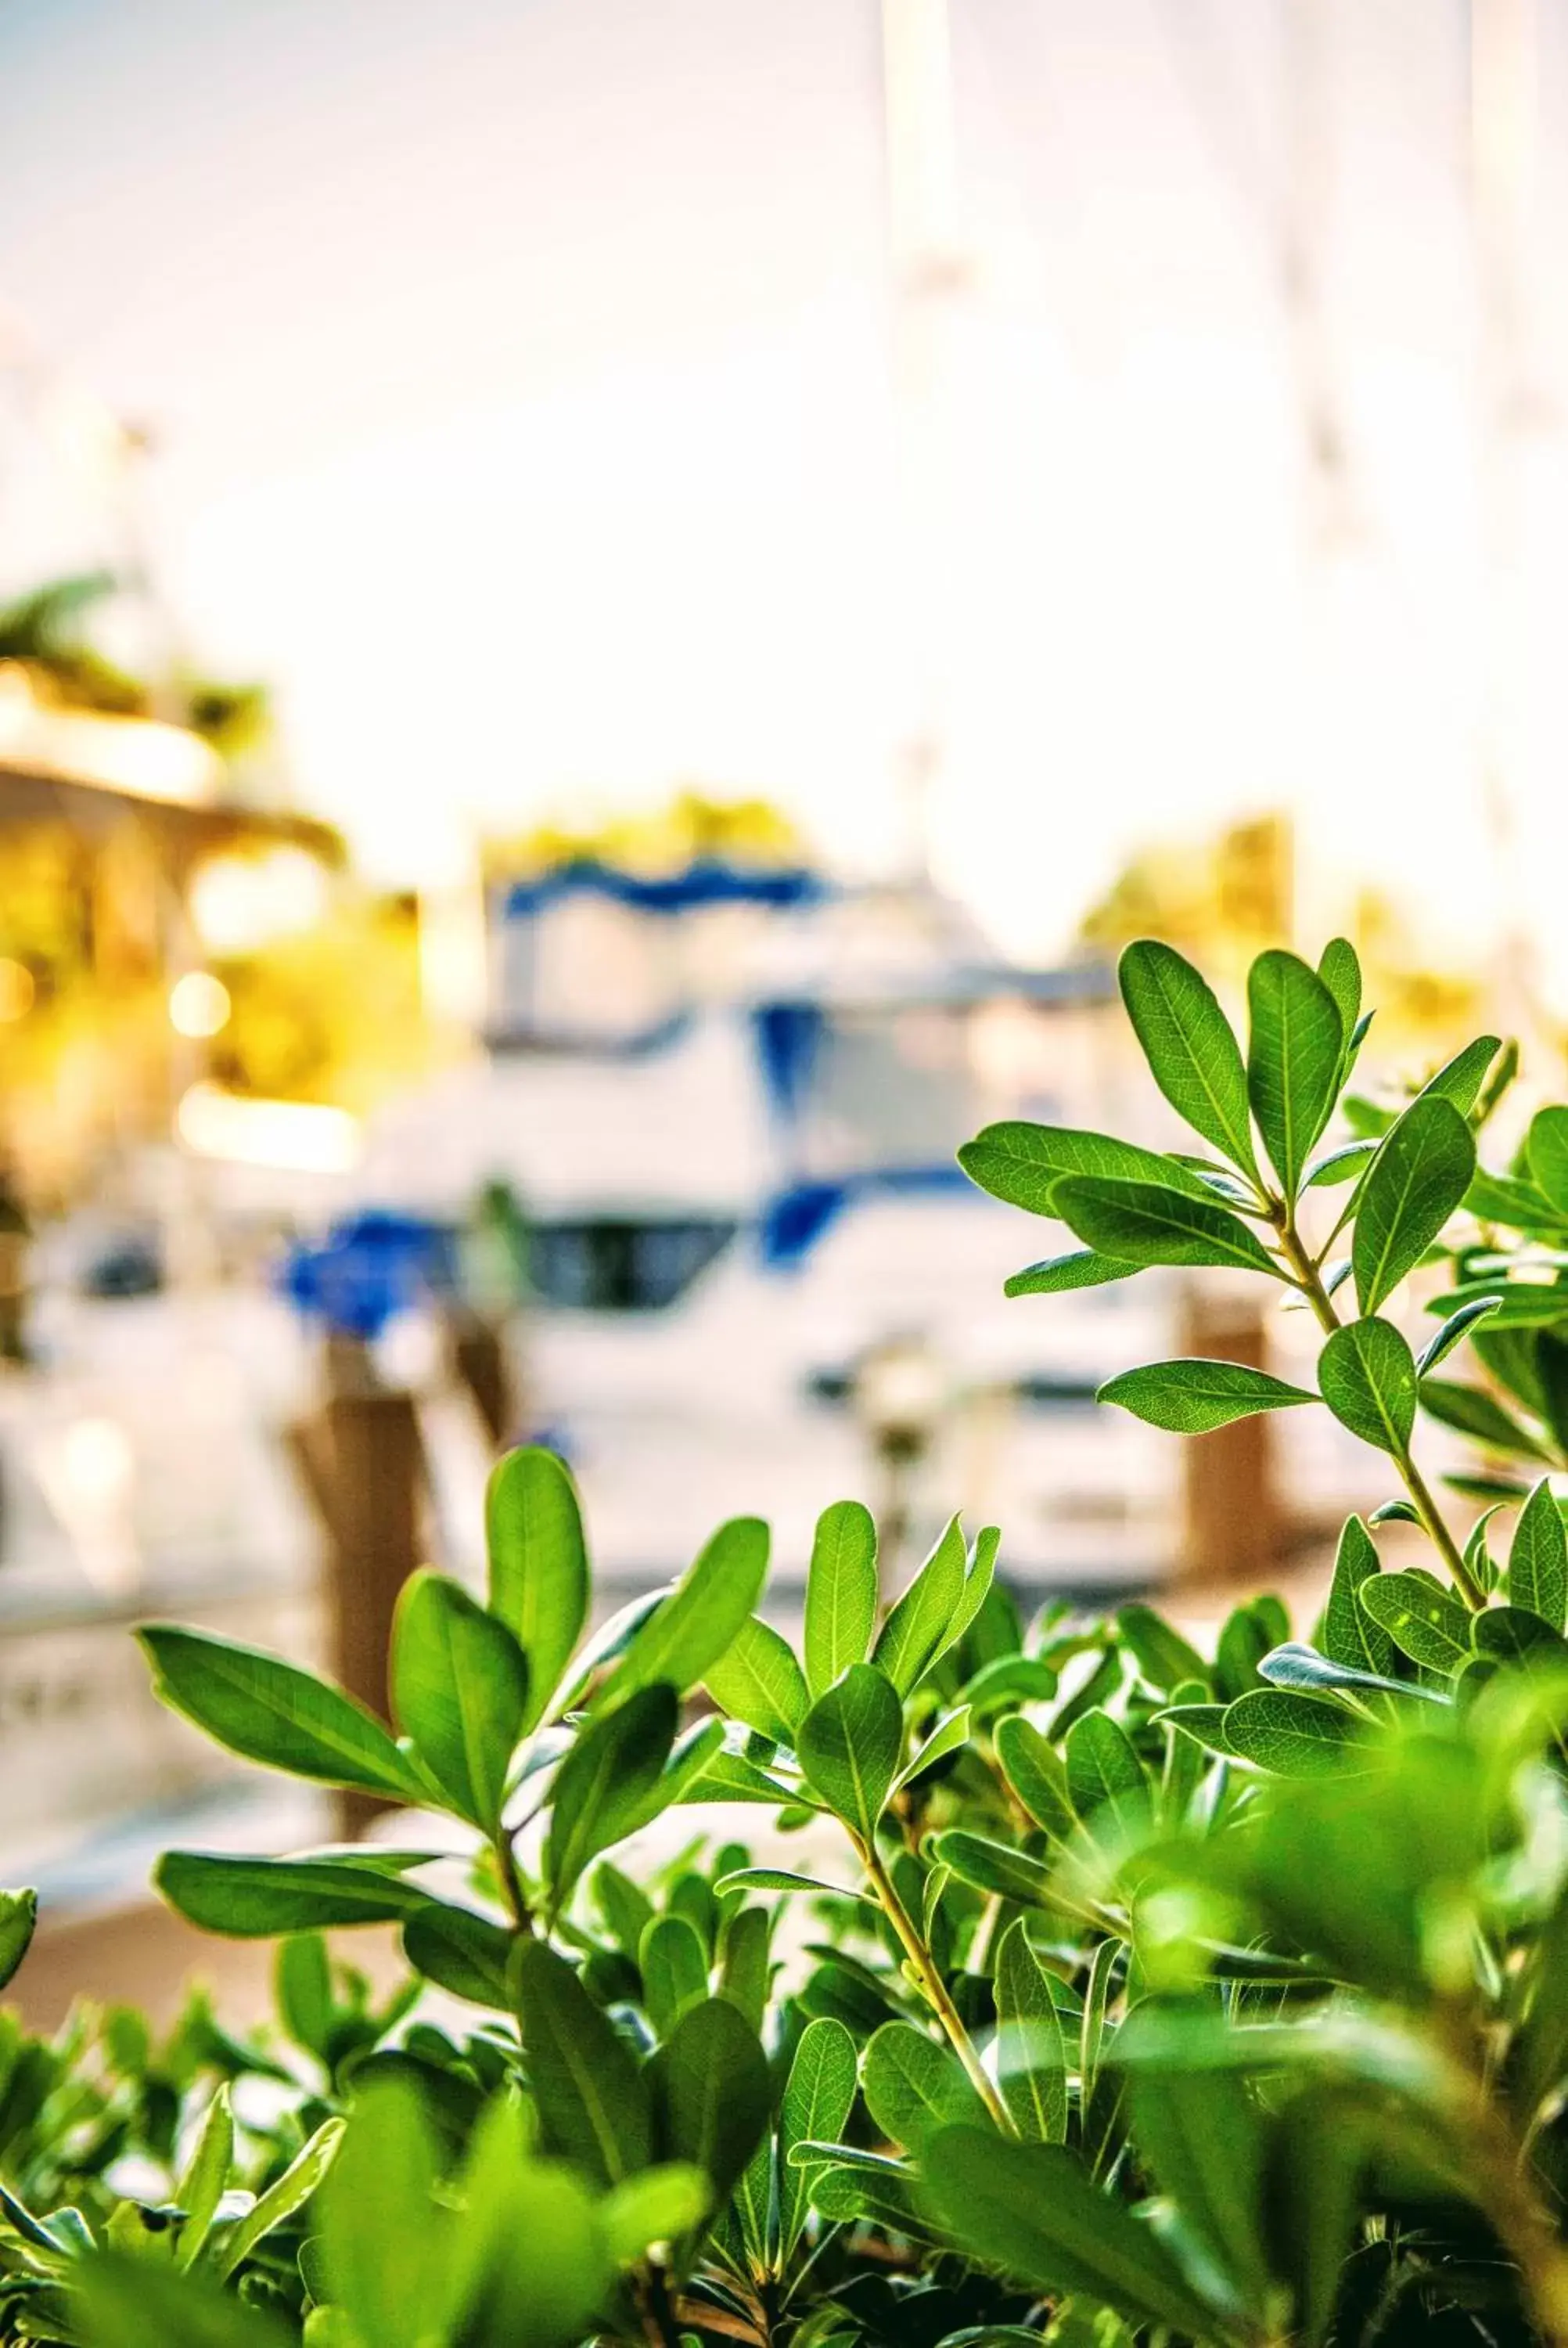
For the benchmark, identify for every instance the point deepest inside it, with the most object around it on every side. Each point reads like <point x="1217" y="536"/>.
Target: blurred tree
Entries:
<point x="692" y="824"/>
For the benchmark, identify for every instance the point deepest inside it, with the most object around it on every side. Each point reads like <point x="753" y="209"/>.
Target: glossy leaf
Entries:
<point x="1058" y="1275"/>
<point x="1295" y="1048"/>
<point x="818" y="2094"/>
<point x="1139" y="1225"/>
<point x="758" y="1681"/>
<point x="850" y="1744"/>
<point x="1420" y="1177"/>
<point x="1423" y="1621"/>
<point x="1474" y="1412"/>
<point x="1350" y="1636"/>
<point x="1455" y="1329"/>
<point x="1294" y="1666"/>
<point x="840" y="1594"/>
<point x="1294" y="1736"/>
<point x="1367" y="1375"/>
<point x="460" y="1690"/>
<point x="616" y="1763"/>
<point x="281" y="2199"/>
<point x="712" y="2096"/>
<point x="1193" y="1054"/>
<point x="204" y="2180"/>
<point x="914" y="2086"/>
<point x="1031" y="2210"/>
<point x="1538" y="1559"/>
<point x="1102" y="1766"/>
<point x="1022" y="1163"/>
<point x="1190" y="1397"/>
<point x="1546" y="1148"/>
<point x="1037" y="1774"/>
<point x="1031" y="2056"/>
<point x="593" y="2102"/>
<point x="539" y="1579"/>
<point x="914" y="1632"/>
<point x="19" y="1918"/>
<point x="257" y="1899"/>
<point x="1339" y="968"/>
<point x="466" y="1954"/>
<point x="269" y="1711"/>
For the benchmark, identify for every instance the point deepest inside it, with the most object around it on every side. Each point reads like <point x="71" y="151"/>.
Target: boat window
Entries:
<point x="621" y="1264"/>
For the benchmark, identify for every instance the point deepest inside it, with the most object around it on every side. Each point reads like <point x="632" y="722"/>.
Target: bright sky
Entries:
<point x="520" y="375"/>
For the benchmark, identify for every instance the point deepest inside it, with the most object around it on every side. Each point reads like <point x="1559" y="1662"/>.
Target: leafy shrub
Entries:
<point x="1111" y="1991"/>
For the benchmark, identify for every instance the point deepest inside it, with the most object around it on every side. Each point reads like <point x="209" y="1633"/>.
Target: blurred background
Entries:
<point x="607" y="615"/>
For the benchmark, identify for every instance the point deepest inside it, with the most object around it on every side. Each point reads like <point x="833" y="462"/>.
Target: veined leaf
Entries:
<point x="18" y="1918"/>
<point x="1339" y="968"/>
<point x="1163" y="1657"/>
<point x="1294" y="1736"/>
<point x="1350" y="1637"/>
<point x="1538" y="1559"/>
<point x="712" y="2096"/>
<point x="257" y="1898"/>
<point x="462" y="1952"/>
<point x="1193" y="1054"/>
<point x="909" y="1640"/>
<point x="1516" y="1636"/>
<point x="1102" y="1766"/>
<point x="1294" y="1666"/>
<point x="1190" y="1397"/>
<point x="950" y="1735"/>
<point x="281" y="2199"/>
<point x="1455" y="1329"/>
<point x="1546" y="1148"/>
<point x="592" y="2101"/>
<point x="1423" y="1621"/>
<point x="840" y="1594"/>
<point x="205" y="2178"/>
<point x="1474" y="1412"/>
<point x="1297" y="1043"/>
<point x="1460" y="1079"/>
<point x="616" y="1762"/>
<point x="269" y="1711"/>
<point x="1031" y="2210"/>
<point x="460" y="1690"/>
<point x="850" y="1744"/>
<point x="1056" y="1275"/>
<point x="817" y="2099"/>
<point x="675" y="1968"/>
<point x="538" y="1566"/>
<point x="1022" y="1163"/>
<point x="1343" y="1165"/>
<point x="1037" y="1774"/>
<point x="1421" y="1176"/>
<point x="1139" y="1225"/>
<point x="1031" y="2056"/>
<point x="995" y="1866"/>
<point x="1367" y="1375"/>
<point x="758" y="1681"/>
<point x="912" y="2086"/>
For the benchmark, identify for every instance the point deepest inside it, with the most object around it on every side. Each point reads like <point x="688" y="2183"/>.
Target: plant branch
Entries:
<point x="925" y="1969"/>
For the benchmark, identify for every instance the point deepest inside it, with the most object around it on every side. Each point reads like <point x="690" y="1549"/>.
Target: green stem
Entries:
<point x="512" y="1889"/>
<point x="1308" y="1278"/>
<point x="926" y="1973"/>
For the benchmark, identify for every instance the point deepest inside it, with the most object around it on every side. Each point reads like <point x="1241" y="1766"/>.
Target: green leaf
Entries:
<point x="817" y="2099"/>
<point x="745" y="1963"/>
<point x="1538" y="1559"/>
<point x="1423" y="1621"/>
<point x="1292" y="1735"/>
<point x="674" y="1966"/>
<point x="1140" y="1225"/>
<point x="1339" y="968"/>
<point x="840" y="1594"/>
<point x="460" y="1690"/>
<point x="1311" y="2199"/>
<point x="1297" y="1046"/>
<point x="1455" y="1329"/>
<point x="1021" y="1163"/>
<point x="377" y="2227"/>
<point x="995" y="1866"/>
<point x="1420" y="1177"/>
<point x="1102" y="1766"/>
<point x="912" y="2086"/>
<point x="1189" y="1397"/>
<point x="1516" y="1636"/>
<point x="1460" y="1079"/>
<point x="1350" y="1636"/>
<point x="909" y="1640"/>
<point x="1037" y="1775"/>
<point x="19" y="1918"/>
<point x="464" y="1953"/>
<point x="1163" y="1657"/>
<point x="204" y="2180"/>
<point x="538" y="1576"/>
<point x="257" y="1899"/>
<point x="269" y="1711"/>
<point x="1031" y="2056"/>
<point x="1056" y="1275"/>
<point x="593" y="2102"/>
<point x="1341" y="1165"/>
<point x="126" y="2300"/>
<point x="1474" y="1412"/>
<point x="850" y="1745"/>
<point x="783" y="1878"/>
<point x="697" y="1623"/>
<point x="281" y="2199"/>
<point x="1508" y="1198"/>
<point x="711" y="2092"/>
<point x="1367" y="1375"/>
<point x="1200" y="2133"/>
<point x="1031" y="2210"/>
<point x="529" y="2265"/>
<point x="1203" y="1723"/>
<point x="615" y="1764"/>
<point x="950" y="1735"/>
<point x="759" y="1681"/>
<point x="303" y="1993"/>
<point x="1546" y="1148"/>
<point x="1187" y="1041"/>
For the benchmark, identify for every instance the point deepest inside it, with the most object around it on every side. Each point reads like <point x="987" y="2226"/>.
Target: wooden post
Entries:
<point x="363" y="1463"/>
<point x="1231" y="1523"/>
<point x="480" y="1365"/>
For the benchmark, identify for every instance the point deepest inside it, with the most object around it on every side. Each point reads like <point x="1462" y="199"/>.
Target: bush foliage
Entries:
<point x="1107" y="1992"/>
